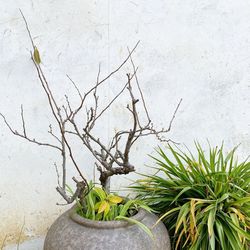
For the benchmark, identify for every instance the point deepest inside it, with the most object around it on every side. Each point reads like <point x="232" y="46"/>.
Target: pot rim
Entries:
<point x="105" y="224"/>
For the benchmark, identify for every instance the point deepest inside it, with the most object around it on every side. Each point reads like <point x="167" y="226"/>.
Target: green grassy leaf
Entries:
<point x="202" y="197"/>
<point x="138" y="223"/>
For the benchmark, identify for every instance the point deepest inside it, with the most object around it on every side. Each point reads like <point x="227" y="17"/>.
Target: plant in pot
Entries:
<point x="99" y="219"/>
<point x="203" y="199"/>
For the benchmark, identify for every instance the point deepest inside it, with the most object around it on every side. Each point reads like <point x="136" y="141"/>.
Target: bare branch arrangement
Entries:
<point x="111" y="159"/>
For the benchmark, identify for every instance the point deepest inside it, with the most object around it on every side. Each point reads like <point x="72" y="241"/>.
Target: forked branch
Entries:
<point x="112" y="158"/>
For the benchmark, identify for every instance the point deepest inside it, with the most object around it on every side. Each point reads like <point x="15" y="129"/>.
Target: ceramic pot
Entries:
<point x="73" y="232"/>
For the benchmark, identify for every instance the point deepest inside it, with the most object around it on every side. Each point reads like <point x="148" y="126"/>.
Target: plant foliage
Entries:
<point x="102" y="206"/>
<point x="204" y="200"/>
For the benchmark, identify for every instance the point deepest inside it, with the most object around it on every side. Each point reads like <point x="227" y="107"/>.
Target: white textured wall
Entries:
<point x="195" y="49"/>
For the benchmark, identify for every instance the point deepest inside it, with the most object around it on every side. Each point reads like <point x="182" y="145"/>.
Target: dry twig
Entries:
<point x="111" y="159"/>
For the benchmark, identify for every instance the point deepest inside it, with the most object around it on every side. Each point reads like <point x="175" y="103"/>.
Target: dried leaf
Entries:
<point x="114" y="199"/>
<point x="104" y="206"/>
<point x="36" y="56"/>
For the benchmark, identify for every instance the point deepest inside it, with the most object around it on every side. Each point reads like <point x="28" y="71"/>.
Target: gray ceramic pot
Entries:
<point x="72" y="232"/>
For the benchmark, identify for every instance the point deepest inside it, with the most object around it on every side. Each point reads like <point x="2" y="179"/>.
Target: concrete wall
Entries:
<point x="197" y="50"/>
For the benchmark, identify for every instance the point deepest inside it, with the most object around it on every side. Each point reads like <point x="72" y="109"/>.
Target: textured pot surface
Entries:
<point x="72" y="232"/>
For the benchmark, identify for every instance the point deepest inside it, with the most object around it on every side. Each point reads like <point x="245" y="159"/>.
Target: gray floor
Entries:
<point x="35" y="244"/>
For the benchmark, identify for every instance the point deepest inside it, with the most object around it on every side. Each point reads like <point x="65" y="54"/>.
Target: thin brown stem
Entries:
<point x="15" y="132"/>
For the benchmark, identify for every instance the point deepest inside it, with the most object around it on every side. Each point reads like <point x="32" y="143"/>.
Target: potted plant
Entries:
<point x="203" y="199"/>
<point x="99" y="219"/>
